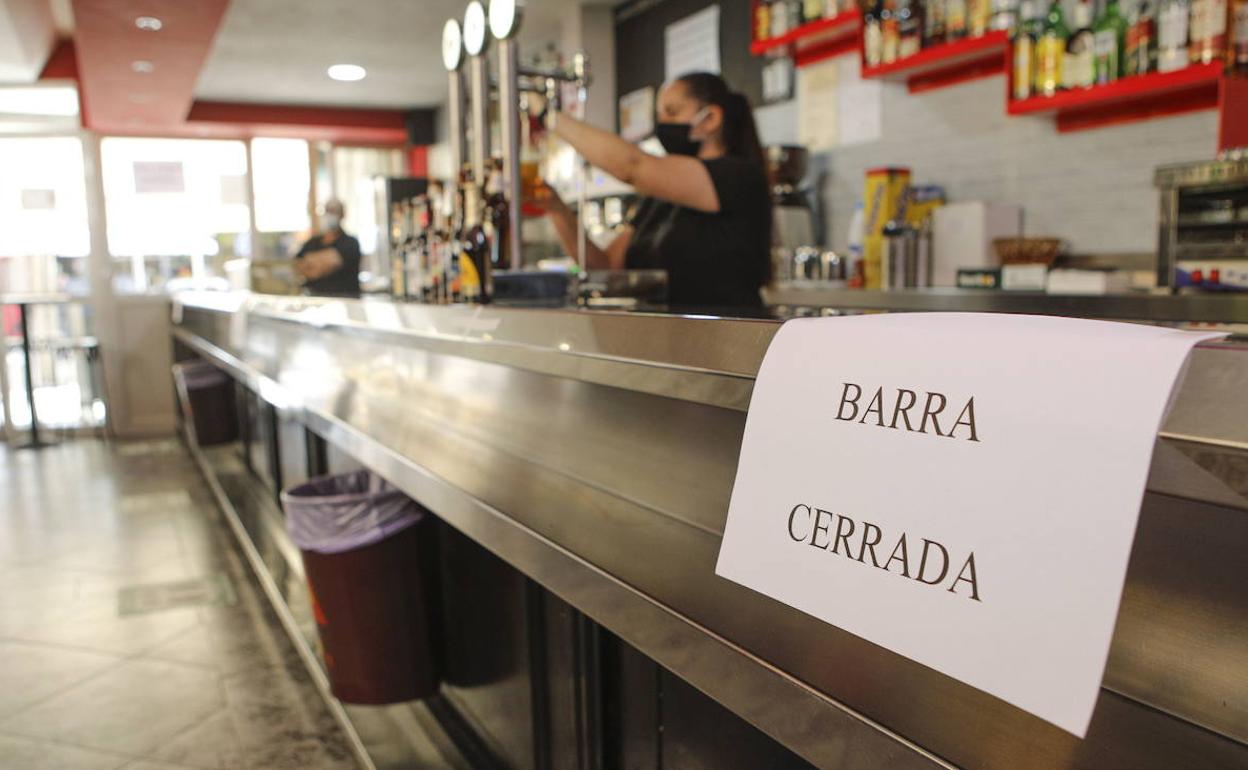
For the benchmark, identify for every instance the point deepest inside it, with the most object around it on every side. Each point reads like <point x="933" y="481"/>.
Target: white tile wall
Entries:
<point x="1093" y="188"/>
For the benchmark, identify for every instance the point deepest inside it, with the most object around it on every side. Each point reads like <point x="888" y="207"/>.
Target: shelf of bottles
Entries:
<point x="1115" y="66"/>
<point x="808" y="30"/>
<point x="1118" y="61"/>
<point x="946" y="63"/>
<point x="446" y="243"/>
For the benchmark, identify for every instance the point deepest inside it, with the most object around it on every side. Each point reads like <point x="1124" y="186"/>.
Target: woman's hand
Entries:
<point x="545" y="198"/>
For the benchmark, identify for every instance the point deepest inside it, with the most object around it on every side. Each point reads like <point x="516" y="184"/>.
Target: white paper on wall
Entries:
<point x="692" y="44"/>
<point x="637" y="114"/>
<point x="158" y="176"/>
<point x="38" y="200"/>
<point x="817" y="106"/>
<point x="961" y="489"/>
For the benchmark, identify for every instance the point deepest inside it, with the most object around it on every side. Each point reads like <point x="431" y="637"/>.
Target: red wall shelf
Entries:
<point x="1132" y="98"/>
<point x="816" y="40"/>
<point x="948" y="63"/>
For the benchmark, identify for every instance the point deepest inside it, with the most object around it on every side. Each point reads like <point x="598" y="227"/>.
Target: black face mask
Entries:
<point x="675" y="138"/>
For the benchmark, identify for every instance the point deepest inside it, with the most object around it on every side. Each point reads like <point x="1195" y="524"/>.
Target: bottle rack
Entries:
<point x="947" y="63"/>
<point x="1132" y="98"/>
<point x="1136" y="97"/>
<point x="816" y="40"/>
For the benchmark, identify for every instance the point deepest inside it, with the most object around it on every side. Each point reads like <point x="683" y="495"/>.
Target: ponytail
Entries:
<point x="740" y="134"/>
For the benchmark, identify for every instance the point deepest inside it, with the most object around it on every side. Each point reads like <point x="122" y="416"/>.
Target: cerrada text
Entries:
<point x="857" y="541"/>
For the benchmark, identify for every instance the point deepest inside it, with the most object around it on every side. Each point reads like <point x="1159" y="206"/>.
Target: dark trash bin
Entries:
<point x="365" y="553"/>
<point x="206" y="395"/>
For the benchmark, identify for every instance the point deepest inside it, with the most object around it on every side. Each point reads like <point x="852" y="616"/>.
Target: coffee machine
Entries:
<point x="792" y="212"/>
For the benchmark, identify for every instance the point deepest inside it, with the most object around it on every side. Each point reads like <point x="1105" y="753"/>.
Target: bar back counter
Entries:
<point x="582" y="464"/>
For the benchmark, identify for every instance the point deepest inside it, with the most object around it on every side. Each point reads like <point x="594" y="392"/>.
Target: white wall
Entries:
<point x="1093" y="188"/>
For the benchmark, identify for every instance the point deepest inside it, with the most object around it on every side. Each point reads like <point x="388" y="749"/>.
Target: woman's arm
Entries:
<point x="677" y="179"/>
<point x="568" y="228"/>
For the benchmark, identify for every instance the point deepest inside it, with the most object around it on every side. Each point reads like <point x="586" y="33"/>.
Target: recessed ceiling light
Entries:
<point x="346" y="72"/>
<point x="142" y="66"/>
<point x="148" y="23"/>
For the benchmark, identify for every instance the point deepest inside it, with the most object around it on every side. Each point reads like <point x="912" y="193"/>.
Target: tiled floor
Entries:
<point x="206" y="684"/>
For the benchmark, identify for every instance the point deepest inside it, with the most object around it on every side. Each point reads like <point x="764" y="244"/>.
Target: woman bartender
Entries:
<point x="705" y="213"/>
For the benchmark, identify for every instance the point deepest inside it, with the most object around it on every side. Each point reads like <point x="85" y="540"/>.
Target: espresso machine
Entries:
<point x="793" y="214"/>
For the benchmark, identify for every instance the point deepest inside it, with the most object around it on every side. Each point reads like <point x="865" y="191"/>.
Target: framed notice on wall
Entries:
<point x="692" y="44"/>
<point x="158" y="176"/>
<point x="637" y="114"/>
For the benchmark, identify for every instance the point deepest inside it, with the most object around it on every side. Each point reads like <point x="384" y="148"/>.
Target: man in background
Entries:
<point x="330" y="261"/>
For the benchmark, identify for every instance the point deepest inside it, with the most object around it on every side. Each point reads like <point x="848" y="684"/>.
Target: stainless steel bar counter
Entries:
<point x="595" y="453"/>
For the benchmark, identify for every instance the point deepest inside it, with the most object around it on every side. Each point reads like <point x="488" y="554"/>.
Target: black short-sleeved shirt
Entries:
<point x="343" y="282"/>
<point x="717" y="260"/>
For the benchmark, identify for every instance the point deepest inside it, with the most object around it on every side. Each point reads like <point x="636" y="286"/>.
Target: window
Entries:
<point x="43" y="204"/>
<point x="357" y="175"/>
<point x="177" y="211"/>
<point x="282" y="182"/>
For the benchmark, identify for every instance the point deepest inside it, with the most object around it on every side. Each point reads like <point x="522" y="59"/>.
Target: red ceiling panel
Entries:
<point x="117" y="95"/>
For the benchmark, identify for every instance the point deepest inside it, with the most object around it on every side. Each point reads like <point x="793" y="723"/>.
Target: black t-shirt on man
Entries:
<point x="713" y="260"/>
<point x="343" y="282"/>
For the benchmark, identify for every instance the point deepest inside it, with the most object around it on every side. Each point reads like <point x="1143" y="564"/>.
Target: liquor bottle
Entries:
<point x="1237" y="51"/>
<point x="1141" y="51"/>
<point x="473" y="249"/>
<point x="398" y="284"/>
<point x="890" y="40"/>
<point x="1050" y="50"/>
<point x="1025" y="38"/>
<point x="872" y="35"/>
<point x="1172" y="23"/>
<point x="812" y="10"/>
<point x="1110" y="40"/>
<point x="955" y="20"/>
<point x="762" y="20"/>
<point x="778" y="13"/>
<point x="909" y="28"/>
<point x="1207" y="31"/>
<point x="496" y="219"/>
<point x="1005" y="16"/>
<point x="417" y="263"/>
<point x="977" y="14"/>
<point x="933" y="22"/>
<point x="1079" y="66"/>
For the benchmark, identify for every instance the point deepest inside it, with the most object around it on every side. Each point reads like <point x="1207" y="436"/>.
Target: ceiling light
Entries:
<point x="148" y="23"/>
<point x="474" y="28"/>
<point x="142" y="66"/>
<point x="346" y="72"/>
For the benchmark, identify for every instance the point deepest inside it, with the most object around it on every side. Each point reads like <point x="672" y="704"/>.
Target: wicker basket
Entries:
<point x="1027" y="251"/>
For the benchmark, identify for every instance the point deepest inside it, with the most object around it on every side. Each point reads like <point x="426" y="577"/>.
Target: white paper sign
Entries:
<point x="38" y="200"/>
<point x="692" y="44"/>
<point x="637" y="114"/>
<point x="961" y="489"/>
<point x="158" y="176"/>
<point x="817" y="106"/>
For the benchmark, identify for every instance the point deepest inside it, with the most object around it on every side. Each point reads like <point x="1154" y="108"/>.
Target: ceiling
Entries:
<point x="277" y="51"/>
<point x="238" y="67"/>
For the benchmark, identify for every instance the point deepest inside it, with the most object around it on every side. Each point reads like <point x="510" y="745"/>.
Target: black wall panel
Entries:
<point x="639" y="55"/>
